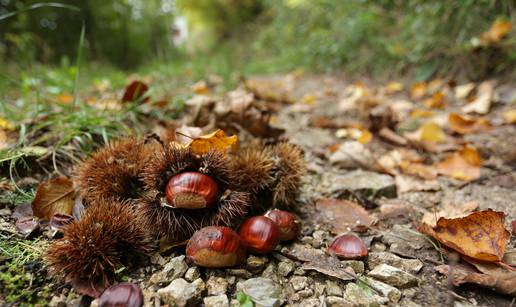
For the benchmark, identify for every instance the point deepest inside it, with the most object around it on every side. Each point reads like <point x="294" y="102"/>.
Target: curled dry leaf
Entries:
<point x="344" y="215"/>
<point x="465" y="124"/>
<point x="54" y="196"/>
<point x="510" y="116"/>
<point x="463" y="165"/>
<point x="480" y="235"/>
<point x="135" y="91"/>
<point x="504" y="283"/>
<point x="437" y="101"/>
<point x="498" y="30"/>
<point x="216" y="140"/>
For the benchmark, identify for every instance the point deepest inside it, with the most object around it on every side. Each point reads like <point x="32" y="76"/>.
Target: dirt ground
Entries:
<point x="362" y="146"/>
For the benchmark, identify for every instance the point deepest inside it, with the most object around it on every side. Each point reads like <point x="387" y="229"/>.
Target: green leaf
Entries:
<point x="244" y="300"/>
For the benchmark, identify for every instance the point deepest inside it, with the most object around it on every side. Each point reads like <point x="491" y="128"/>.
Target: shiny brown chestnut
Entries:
<point x="288" y="224"/>
<point x="191" y="190"/>
<point x="348" y="247"/>
<point x="259" y="234"/>
<point x="215" y="247"/>
<point x="122" y="295"/>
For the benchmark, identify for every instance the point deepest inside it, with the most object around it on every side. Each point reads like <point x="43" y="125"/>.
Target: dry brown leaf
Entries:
<point x="480" y="235"/>
<point x="463" y="165"/>
<point x="135" y="91"/>
<point x="344" y="215"/>
<point x="65" y="98"/>
<point x="482" y="104"/>
<point x="216" y="140"/>
<point x="449" y="211"/>
<point x="201" y="88"/>
<point x="54" y="196"/>
<point x="504" y="283"/>
<point x="465" y="124"/>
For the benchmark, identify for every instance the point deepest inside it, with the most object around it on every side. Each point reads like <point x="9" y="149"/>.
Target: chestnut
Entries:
<point x="122" y="295"/>
<point x="191" y="190"/>
<point x="259" y="234"/>
<point x="348" y="247"/>
<point x="287" y="223"/>
<point x="215" y="247"/>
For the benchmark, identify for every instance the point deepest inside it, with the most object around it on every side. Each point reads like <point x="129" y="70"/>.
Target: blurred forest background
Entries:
<point x="378" y="37"/>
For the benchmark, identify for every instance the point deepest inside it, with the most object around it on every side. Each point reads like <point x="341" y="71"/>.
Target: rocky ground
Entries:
<point x="345" y="132"/>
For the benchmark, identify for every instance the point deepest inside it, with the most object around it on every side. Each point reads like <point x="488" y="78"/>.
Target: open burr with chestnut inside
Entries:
<point x="164" y="190"/>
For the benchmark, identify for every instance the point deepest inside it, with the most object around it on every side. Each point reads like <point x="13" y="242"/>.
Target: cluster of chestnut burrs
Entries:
<point x="139" y="191"/>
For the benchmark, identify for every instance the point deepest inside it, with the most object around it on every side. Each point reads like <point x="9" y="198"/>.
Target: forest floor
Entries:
<point x="382" y="160"/>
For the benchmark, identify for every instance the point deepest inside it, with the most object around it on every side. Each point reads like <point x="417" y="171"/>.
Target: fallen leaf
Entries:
<point x="344" y="215"/>
<point x="135" y="91"/>
<point x="480" y="235"/>
<point x="54" y="196"/>
<point x="408" y="183"/>
<point x="464" y="90"/>
<point x="431" y="132"/>
<point x="3" y="139"/>
<point x="5" y="124"/>
<point x="482" y="104"/>
<point x="437" y="101"/>
<point x="201" y="88"/>
<point x="65" y="98"/>
<point x="352" y="154"/>
<point x="240" y="100"/>
<point x="418" y="90"/>
<point x="466" y="124"/>
<point x="510" y="116"/>
<point x="499" y="29"/>
<point x="463" y="165"/>
<point x="186" y="134"/>
<point x="216" y="140"/>
<point x="420" y="113"/>
<point x="449" y="211"/>
<point x="393" y="87"/>
<point x="504" y="283"/>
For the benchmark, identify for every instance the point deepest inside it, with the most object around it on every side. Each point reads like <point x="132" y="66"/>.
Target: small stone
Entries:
<point x="239" y="273"/>
<point x="364" y="183"/>
<point x="5" y="212"/>
<point x="255" y="264"/>
<point x="362" y="296"/>
<point x="319" y="289"/>
<point x="285" y="268"/>
<point x="158" y="259"/>
<point x="403" y="241"/>
<point x="231" y="280"/>
<point x="307" y="240"/>
<point x="311" y="302"/>
<point x="392" y="293"/>
<point x="216" y="301"/>
<point x="377" y="247"/>
<point x="299" y="272"/>
<point x="174" y="269"/>
<point x="409" y="293"/>
<point x="299" y="282"/>
<point x="357" y="265"/>
<point x="336" y="301"/>
<point x="182" y="293"/>
<point x="271" y="272"/>
<point x="192" y="274"/>
<point x="333" y="289"/>
<point x="318" y="238"/>
<point x="409" y="265"/>
<point x="217" y="285"/>
<point x="306" y="293"/>
<point x="393" y="276"/>
<point x="150" y="299"/>
<point x="58" y="301"/>
<point x="263" y="291"/>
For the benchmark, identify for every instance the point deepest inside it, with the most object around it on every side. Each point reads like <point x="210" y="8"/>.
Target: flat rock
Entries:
<point x="263" y="291"/>
<point x="333" y="288"/>
<point x="392" y="293"/>
<point x="393" y="276"/>
<point x="364" y="183"/>
<point x="299" y="282"/>
<point x="285" y="268"/>
<point x="182" y="293"/>
<point x="409" y="265"/>
<point x="217" y="285"/>
<point x="192" y="274"/>
<point x="405" y="241"/>
<point x="337" y="301"/>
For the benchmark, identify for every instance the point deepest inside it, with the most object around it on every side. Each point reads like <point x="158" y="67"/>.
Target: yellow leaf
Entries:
<point x="394" y="87"/>
<point x="437" y="101"/>
<point x="499" y="29"/>
<point x="365" y="137"/>
<point x="418" y="90"/>
<point x="200" y="88"/>
<point x="308" y="99"/>
<point x="462" y="165"/>
<point x="419" y="113"/>
<point x="5" y="124"/>
<point x="431" y="132"/>
<point x="510" y="116"/>
<point x="216" y="140"/>
<point x="65" y="98"/>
